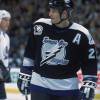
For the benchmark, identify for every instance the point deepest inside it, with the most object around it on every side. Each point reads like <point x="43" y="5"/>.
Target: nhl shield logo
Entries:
<point x="38" y="29"/>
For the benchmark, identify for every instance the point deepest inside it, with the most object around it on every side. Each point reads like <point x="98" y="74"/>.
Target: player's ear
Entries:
<point x="64" y="14"/>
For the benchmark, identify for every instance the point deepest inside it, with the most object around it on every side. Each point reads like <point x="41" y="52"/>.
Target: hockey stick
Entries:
<point x="22" y="88"/>
<point x="26" y="96"/>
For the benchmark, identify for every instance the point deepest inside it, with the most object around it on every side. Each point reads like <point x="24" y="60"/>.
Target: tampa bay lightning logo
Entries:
<point x="53" y="52"/>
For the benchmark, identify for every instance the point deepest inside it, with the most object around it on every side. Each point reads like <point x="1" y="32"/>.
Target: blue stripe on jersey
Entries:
<point x="54" y="84"/>
<point x="28" y="62"/>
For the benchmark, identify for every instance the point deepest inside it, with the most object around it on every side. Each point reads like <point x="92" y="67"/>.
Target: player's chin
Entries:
<point x="5" y="28"/>
<point x="53" y="21"/>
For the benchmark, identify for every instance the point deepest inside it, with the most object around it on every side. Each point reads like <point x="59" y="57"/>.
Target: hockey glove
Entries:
<point x="23" y="83"/>
<point x="88" y="89"/>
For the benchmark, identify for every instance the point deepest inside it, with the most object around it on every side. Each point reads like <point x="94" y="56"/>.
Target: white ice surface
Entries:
<point x="16" y="97"/>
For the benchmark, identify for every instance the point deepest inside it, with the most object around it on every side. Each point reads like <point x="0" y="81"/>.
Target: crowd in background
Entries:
<point x="25" y="12"/>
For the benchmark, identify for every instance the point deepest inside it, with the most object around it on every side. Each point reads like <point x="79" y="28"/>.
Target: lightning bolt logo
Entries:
<point x="51" y="53"/>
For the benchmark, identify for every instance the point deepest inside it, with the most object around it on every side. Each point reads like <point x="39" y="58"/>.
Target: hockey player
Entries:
<point x="56" y="50"/>
<point x="4" y="51"/>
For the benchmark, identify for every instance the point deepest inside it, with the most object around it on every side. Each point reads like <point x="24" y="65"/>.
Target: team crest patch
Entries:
<point x="54" y="52"/>
<point x="38" y="29"/>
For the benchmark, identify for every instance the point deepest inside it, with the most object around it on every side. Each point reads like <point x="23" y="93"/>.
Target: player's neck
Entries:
<point x="63" y="24"/>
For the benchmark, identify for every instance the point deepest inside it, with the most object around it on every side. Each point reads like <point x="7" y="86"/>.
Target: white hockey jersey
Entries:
<point x="4" y="47"/>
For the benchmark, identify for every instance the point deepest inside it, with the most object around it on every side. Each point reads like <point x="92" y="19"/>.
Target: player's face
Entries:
<point x="54" y="15"/>
<point x="4" y="24"/>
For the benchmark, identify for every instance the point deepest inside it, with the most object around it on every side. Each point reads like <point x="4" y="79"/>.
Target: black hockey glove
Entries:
<point x="88" y="89"/>
<point x="23" y="83"/>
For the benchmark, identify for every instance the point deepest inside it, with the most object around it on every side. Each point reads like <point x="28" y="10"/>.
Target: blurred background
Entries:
<point x="25" y="12"/>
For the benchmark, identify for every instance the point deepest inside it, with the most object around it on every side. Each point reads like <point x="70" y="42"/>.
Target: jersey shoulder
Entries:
<point x="44" y="21"/>
<point x="76" y="26"/>
<point x="83" y="30"/>
<point x="40" y="25"/>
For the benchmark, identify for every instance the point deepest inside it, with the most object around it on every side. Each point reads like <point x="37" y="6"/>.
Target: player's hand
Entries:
<point x="23" y="83"/>
<point x="88" y="90"/>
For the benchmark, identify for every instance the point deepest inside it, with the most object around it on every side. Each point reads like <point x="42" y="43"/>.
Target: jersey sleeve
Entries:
<point x="29" y="54"/>
<point x="88" y="56"/>
<point x="31" y="47"/>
